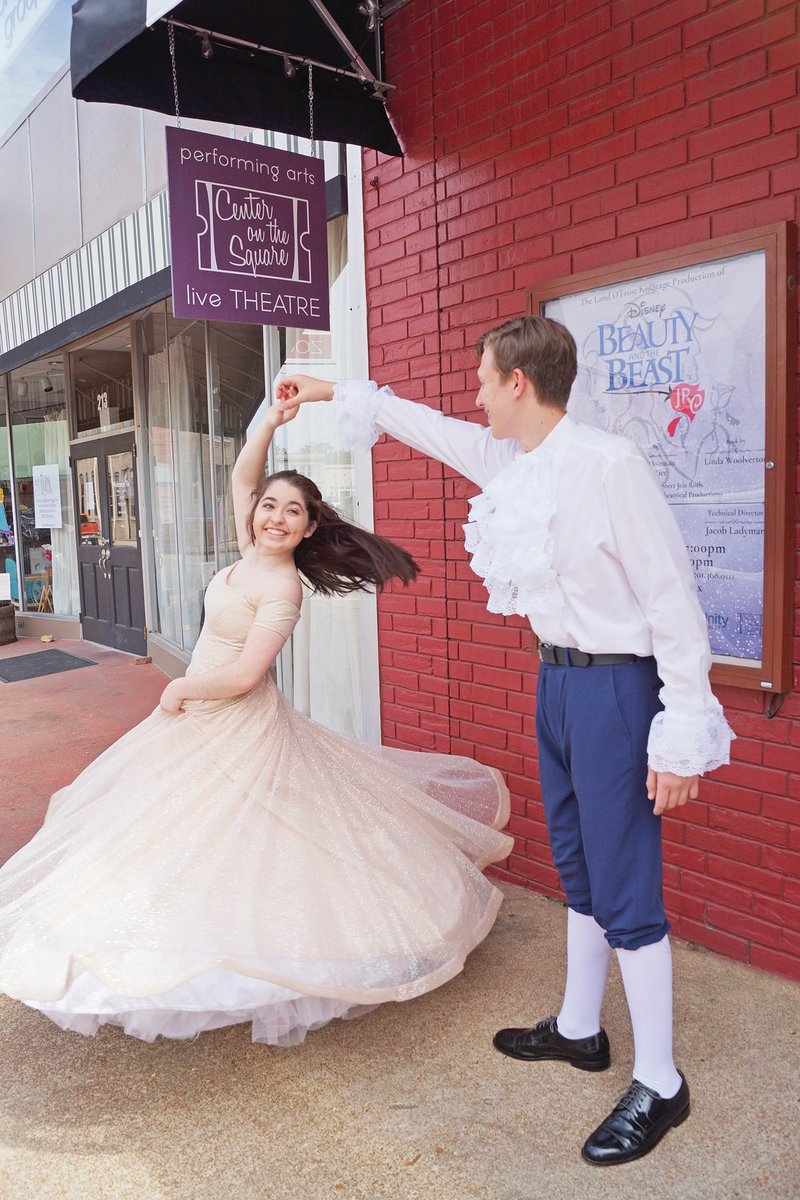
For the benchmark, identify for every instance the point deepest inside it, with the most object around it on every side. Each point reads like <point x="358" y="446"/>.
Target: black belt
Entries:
<point x="568" y="656"/>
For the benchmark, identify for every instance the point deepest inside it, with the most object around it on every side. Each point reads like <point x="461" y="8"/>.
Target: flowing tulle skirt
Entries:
<point x="238" y="862"/>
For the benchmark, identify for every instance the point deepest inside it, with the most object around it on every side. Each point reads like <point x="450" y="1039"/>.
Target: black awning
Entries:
<point x="249" y="69"/>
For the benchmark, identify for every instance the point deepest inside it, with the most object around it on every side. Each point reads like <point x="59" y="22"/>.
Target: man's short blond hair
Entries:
<point x="542" y="349"/>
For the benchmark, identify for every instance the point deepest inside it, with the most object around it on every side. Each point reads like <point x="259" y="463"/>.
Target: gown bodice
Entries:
<point x="230" y="613"/>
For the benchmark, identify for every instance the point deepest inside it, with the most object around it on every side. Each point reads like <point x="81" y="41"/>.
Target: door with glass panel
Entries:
<point x="109" y="545"/>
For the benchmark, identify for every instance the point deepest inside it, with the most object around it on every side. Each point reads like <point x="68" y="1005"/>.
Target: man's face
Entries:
<point x="497" y="397"/>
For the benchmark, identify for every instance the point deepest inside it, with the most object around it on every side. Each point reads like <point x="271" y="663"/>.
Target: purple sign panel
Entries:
<point x="249" y="232"/>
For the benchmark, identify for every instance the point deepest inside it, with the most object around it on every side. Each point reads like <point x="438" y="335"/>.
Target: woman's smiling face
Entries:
<point x="280" y="520"/>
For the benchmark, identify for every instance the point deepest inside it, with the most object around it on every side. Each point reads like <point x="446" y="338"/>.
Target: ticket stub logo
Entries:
<point x="250" y="232"/>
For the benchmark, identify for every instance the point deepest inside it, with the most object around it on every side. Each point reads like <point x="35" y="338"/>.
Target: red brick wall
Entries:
<point x="542" y="139"/>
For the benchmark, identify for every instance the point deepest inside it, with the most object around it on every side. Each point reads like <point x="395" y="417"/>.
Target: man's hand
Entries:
<point x="172" y="697"/>
<point x="670" y="791"/>
<point x="295" y="390"/>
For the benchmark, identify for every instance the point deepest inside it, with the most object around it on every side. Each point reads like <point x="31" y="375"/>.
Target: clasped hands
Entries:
<point x="295" y="390"/>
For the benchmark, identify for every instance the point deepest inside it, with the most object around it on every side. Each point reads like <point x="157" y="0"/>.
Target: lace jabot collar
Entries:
<point x="510" y="535"/>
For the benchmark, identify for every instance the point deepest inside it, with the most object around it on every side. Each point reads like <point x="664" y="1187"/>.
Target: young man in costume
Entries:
<point x="573" y="532"/>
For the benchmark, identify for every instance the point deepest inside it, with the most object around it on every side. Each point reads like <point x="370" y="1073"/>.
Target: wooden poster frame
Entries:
<point x="778" y="243"/>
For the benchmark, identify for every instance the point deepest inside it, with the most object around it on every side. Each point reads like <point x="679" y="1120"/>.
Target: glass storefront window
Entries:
<point x="8" y="565"/>
<point x="102" y="378"/>
<point x="122" y="499"/>
<point x="180" y="471"/>
<point x="194" y="532"/>
<point x="323" y="667"/>
<point x="153" y="333"/>
<point x="191" y="458"/>
<point x="47" y="558"/>
<point x="91" y="517"/>
<point x="237" y="389"/>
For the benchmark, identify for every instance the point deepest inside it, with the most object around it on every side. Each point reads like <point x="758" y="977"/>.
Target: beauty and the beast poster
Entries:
<point x="676" y="362"/>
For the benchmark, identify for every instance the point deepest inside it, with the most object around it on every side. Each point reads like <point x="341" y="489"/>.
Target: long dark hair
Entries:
<point x="339" y="557"/>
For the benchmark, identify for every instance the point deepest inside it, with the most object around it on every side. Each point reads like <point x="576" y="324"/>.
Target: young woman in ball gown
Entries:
<point x="229" y="860"/>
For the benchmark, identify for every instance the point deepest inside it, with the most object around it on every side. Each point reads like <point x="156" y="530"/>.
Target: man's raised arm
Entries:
<point x="365" y="411"/>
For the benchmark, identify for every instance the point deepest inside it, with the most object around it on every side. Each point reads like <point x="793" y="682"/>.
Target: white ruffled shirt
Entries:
<point x="577" y="537"/>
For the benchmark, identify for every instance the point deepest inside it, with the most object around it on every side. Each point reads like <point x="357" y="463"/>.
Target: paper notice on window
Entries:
<point x="47" y="497"/>
<point x="5" y="587"/>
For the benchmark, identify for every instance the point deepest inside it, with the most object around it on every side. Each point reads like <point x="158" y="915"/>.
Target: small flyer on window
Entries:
<point x="46" y="497"/>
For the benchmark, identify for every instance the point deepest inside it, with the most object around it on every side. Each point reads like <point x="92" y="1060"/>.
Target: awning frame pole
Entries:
<point x="355" y="58"/>
<point x="225" y="39"/>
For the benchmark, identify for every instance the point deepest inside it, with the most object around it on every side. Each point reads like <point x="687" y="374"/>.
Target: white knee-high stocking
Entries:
<point x="588" y="958"/>
<point x="647" y="977"/>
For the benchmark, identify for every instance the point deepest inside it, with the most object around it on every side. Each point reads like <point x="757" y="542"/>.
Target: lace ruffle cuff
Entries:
<point x="356" y="401"/>
<point x="690" y="743"/>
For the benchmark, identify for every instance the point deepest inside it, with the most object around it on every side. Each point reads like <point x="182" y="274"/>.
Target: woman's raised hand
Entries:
<point x="294" y="390"/>
<point x="279" y="414"/>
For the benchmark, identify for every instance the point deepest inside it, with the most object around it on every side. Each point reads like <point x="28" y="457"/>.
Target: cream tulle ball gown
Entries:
<point x="239" y="863"/>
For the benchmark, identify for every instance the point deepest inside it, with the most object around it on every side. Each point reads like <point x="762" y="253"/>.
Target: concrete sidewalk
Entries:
<point x="52" y="727"/>
<point x="408" y="1103"/>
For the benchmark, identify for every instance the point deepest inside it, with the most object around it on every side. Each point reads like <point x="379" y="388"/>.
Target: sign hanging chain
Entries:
<point x="171" y="28"/>
<point x="311" y="105"/>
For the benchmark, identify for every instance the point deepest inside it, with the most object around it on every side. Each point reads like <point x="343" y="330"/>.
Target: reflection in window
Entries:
<point x="122" y="499"/>
<point x="91" y="527"/>
<point x="8" y="564"/>
<point x="180" y="481"/>
<point x="189" y="471"/>
<point x="47" y="556"/>
<point x="103" y="382"/>
<point x="34" y="46"/>
<point x="162" y="474"/>
<point x="322" y="665"/>
<point x="237" y="382"/>
<point x="186" y="353"/>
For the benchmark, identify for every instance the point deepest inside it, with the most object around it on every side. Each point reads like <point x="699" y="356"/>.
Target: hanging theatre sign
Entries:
<point x="248" y="227"/>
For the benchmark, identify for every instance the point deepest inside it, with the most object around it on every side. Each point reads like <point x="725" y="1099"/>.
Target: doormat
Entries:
<point x="46" y="662"/>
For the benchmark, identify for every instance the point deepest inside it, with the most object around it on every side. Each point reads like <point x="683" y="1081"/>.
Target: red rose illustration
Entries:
<point x="687" y="400"/>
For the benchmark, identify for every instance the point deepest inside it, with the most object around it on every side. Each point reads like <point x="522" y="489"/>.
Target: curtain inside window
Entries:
<point x="325" y="653"/>
<point x="66" y="596"/>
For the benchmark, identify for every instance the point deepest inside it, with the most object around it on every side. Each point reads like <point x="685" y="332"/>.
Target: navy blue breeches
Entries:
<point x="592" y="725"/>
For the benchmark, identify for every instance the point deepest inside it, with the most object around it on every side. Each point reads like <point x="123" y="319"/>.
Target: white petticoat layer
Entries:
<point x="213" y="1000"/>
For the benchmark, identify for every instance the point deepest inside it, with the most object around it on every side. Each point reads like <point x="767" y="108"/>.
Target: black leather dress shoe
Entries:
<point x="544" y="1041"/>
<point x="636" y="1125"/>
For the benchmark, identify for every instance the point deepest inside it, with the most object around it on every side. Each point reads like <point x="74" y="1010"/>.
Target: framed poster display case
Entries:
<point x="691" y="353"/>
